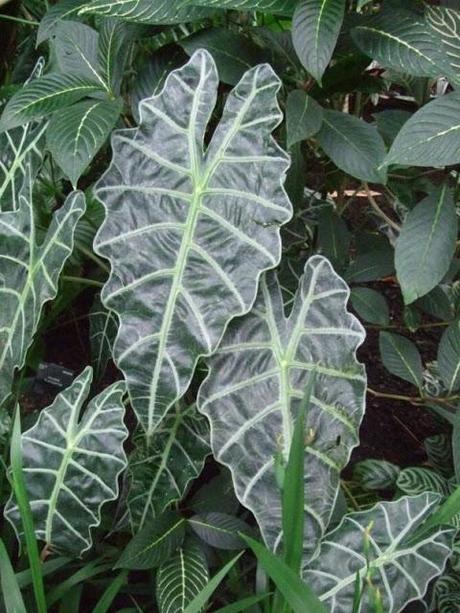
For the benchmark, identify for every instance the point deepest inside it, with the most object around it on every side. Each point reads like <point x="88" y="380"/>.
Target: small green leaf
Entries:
<point x="371" y="266"/>
<point x="390" y="122"/>
<point x="449" y="357"/>
<point x="401" y="358"/>
<point x="315" y="28"/>
<point x="154" y="543"/>
<point x="431" y="136"/>
<point x="353" y="145"/>
<point x="219" y="529"/>
<point x="426" y="245"/>
<point x="75" y="134"/>
<point x="45" y="95"/>
<point x="333" y="237"/>
<point x="370" y="305"/>
<point x="103" y="327"/>
<point x="417" y="480"/>
<point x="304" y="116"/>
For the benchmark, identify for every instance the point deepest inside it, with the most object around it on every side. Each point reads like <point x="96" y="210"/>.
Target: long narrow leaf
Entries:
<point x="11" y="593"/>
<point x="297" y="594"/>
<point x="22" y="500"/>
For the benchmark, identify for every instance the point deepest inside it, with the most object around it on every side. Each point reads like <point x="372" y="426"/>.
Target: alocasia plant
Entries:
<point x="257" y="380"/>
<point x="189" y="229"/>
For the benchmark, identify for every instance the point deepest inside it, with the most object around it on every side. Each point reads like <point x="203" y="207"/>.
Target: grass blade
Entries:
<point x="87" y="572"/>
<point x="294" y="488"/>
<point x="243" y="604"/>
<point x="10" y="589"/>
<point x="202" y="598"/>
<point x="20" y="492"/>
<point x="296" y="592"/>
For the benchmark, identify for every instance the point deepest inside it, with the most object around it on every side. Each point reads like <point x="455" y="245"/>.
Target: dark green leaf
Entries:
<point x="304" y="117"/>
<point x="315" y="28"/>
<point x="219" y="529"/>
<point x="401" y="357"/>
<point x="333" y="236"/>
<point x="449" y="357"/>
<point x="353" y="145"/>
<point x="154" y="543"/>
<point x="370" y="266"/>
<point x="370" y="305"/>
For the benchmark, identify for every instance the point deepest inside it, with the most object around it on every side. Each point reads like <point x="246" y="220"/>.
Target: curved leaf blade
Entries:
<point x="417" y="480"/>
<point x="426" y="244"/>
<point x="430" y="136"/>
<point x="181" y="578"/>
<point x="219" y="530"/>
<point x="255" y="385"/>
<point x="155" y="543"/>
<point x="370" y="305"/>
<point x="210" y="230"/>
<point x="353" y="145"/>
<point x="75" y="134"/>
<point x="315" y="29"/>
<point x="29" y="273"/>
<point x="145" y="11"/>
<point x="376" y="474"/>
<point x="401" y="357"/>
<point x="304" y="116"/>
<point x="45" y="95"/>
<point x="445" y="25"/>
<point x="72" y="465"/>
<point x="388" y="529"/>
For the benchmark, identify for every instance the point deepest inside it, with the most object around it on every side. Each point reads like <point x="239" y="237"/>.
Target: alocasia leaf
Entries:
<point x="189" y="230"/>
<point x="399" y="567"/>
<point x="72" y="463"/>
<point x="315" y="28"/>
<point x="29" y="273"/>
<point x="160" y="471"/>
<point x="257" y="379"/>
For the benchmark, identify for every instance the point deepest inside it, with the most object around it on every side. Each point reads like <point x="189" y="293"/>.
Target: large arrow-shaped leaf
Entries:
<point x="189" y="232"/>
<point x="72" y="465"/>
<point x="29" y="273"/>
<point x="398" y="567"/>
<point x="257" y="380"/>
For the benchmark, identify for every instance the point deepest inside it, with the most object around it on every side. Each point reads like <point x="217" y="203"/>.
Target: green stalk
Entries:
<point x="22" y="499"/>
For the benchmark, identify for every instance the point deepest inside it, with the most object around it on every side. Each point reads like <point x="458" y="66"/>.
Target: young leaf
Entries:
<point x="401" y="357"/>
<point x="29" y="273"/>
<point x="430" y="136"/>
<point x="45" y="95"/>
<point x="315" y="28"/>
<point x="449" y="357"/>
<point x="426" y="245"/>
<point x="392" y="552"/>
<point x="370" y="305"/>
<point x="376" y="474"/>
<point x="304" y="116"/>
<point x="370" y="266"/>
<point x="401" y="40"/>
<point x="72" y="466"/>
<point x="219" y="530"/>
<point x="155" y="543"/>
<point x="353" y="145"/>
<point x="181" y="578"/>
<point x="75" y="134"/>
<point x="103" y="327"/>
<point x="267" y="360"/>
<point x="233" y="52"/>
<point x="298" y="594"/>
<point x="198" y="230"/>
<point x="161" y="470"/>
